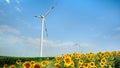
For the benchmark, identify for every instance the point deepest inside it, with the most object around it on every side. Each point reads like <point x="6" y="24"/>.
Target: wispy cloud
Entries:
<point x="28" y="46"/>
<point x="7" y="1"/>
<point x="18" y="9"/>
<point x="23" y="22"/>
<point x="57" y="43"/>
<point x="50" y="47"/>
<point x="8" y="29"/>
<point x="115" y="35"/>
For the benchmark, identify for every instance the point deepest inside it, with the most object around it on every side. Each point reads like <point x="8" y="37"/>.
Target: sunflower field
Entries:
<point x="75" y="60"/>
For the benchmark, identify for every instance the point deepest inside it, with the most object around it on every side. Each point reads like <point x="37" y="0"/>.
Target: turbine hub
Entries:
<point x="42" y="16"/>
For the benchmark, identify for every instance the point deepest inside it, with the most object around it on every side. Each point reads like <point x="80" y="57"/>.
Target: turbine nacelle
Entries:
<point x="42" y="16"/>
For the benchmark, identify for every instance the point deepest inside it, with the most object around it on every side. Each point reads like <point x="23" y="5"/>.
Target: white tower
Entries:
<point x="42" y="17"/>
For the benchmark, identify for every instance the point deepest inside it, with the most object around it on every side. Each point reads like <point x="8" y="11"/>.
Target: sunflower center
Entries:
<point x="92" y="64"/>
<point x="57" y="65"/>
<point x="67" y="60"/>
<point x="37" y="66"/>
<point x="27" y="65"/>
<point x="103" y="60"/>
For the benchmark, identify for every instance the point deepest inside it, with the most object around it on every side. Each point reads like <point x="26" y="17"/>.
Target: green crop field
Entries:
<point x="75" y="60"/>
<point x="9" y="60"/>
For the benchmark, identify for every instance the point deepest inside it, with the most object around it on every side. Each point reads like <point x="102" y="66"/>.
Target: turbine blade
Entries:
<point x="37" y="16"/>
<point x="45" y="28"/>
<point x="50" y="10"/>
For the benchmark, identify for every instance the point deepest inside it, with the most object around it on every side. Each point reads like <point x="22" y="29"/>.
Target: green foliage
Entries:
<point x="117" y="61"/>
<point x="12" y="60"/>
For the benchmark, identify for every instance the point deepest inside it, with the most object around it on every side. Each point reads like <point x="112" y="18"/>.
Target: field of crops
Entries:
<point x="75" y="60"/>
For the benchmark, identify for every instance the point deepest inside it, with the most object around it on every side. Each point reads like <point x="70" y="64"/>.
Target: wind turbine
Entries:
<point x="42" y="17"/>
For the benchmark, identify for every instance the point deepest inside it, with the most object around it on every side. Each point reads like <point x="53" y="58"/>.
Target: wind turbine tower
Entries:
<point x="43" y="26"/>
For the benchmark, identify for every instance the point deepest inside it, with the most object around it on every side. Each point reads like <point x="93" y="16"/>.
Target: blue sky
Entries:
<point x="73" y="26"/>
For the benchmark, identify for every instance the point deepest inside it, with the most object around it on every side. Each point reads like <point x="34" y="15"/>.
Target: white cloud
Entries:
<point x="31" y="46"/>
<point x="18" y="9"/>
<point x="7" y="1"/>
<point x="28" y="46"/>
<point x="8" y="29"/>
<point x="23" y="23"/>
<point x="114" y="36"/>
<point x="57" y="43"/>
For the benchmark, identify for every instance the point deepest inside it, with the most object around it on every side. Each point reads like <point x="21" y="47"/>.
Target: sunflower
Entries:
<point x="88" y="56"/>
<point x="100" y="54"/>
<point x="80" y="62"/>
<point x="5" y="66"/>
<point x="27" y="64"/>
<point x="86" y="65"/>
<point x="58" y="59"/>
<point x="72" y="64"/>
<point x="44" y="63"/>
<point x="67" y="61"/>
<point x="91" y="54"/>
<point x="36" y="65"/>
<point x="103" y="60"/>
<point x="12" y="66"/>
<point x="57" y="64"/>
<point x="92" y="64"/>
<point x="32" y="62"/>
<point x="74" y="54"/>
<point x="18" y="61"/>
<point x="118" y="53"/>
<point x="78" y="56"/>
<point x="102" y="64"/>
<point x="106" y="55"/>
<point x="81" y="67"/>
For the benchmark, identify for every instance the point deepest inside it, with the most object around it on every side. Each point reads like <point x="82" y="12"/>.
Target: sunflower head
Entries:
<point x="91" y="54"/>
<point x="86" y="65"/>
<point x="102" y="64"/>
<point x="81" y="67"/>
<point x="72" y="64"/>
<point x="12" y="66"/>
<point x="18" y="61"/>
<point x="44" y="63"/>
<point x="80" y="62"/>
<point x="118" y="53"/>
<point x="88" y="56"/>
<point x="103" y="60"/>
<point x="92" y="64"/>
<point x="32" y="62"/>
<point x="5" y="66"/>
<point x="57" y="64"/>
<point x="27" y="64"/>
<point x="58" y="59"/>
<point x="36" y="65"/>
<point x="67" y="61"/>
